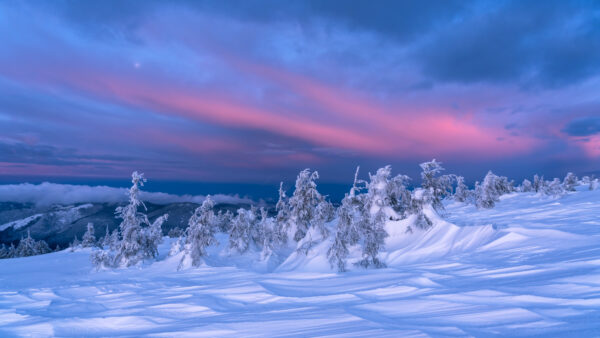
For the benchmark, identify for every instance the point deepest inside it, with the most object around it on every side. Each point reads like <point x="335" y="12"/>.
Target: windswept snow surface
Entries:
<point x="530" y="266"/>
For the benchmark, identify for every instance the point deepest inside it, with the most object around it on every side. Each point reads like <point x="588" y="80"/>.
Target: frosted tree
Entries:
<point x="526" y="186"/>
<point x="374" y="235"/>
<point x="240" y="234"/>
<point x="270" y="236"/>
<point x="75" y="244"/>
<point x="440" y="185"/>
<point x="12" y="251"/>
<point x="570" y="182"/>
<point x="256" y="231"/>
<point x="377" y="193"/>
<point x="461" y="194"/>
<point x="283" y="214"/>
<point x="303" y="203"/>
<point x="114" y="240"/>
<point x="503" y="185"/>
<point x="399" y="195"/>
<point x="538" y="183"/>
<point x="153" y="237"/>
<point x="175" y="232"/>
<point x="106" y="240"/>
<point x="594" y="184"/>
<point x="348" y="231"/>
<point x="200" y="233"/>
<point x="487" y="194"/>
<point x="3" y="251"/>
<point x="89" y="239"/>
<point x="30" y="247"/>
<point x="136" y="242"/>
<point x="419" y="199"/>
<point x="554" y="188"/>
<point x="223" y="220"/>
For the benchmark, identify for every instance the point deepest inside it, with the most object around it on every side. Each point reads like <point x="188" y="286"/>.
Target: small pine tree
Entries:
<point x="200" y="233"/>
<point x="175" y="232"/>
<point x="594" y="184"/>
<point x="240" y="234"/>
<point x="3" y="251"/>
<point x="538" y="183"/>
<point x="303" y="203"/>
<point x="554" y="188"/>
<point x="487" y="193"/>
<point x="75" y="244"/>
<point x="526" y="186"/>
<point x="30" y="247"/>
<point x="132" y="243"/>
<point x="440" y="186"/>
<point x="270" y="235"/>
<point x="106" y="239"/>
<point x="282" y="220"/>
<point x="374" y="235"/>
<point x="570" y="182"/>
<point x="461" y="194"/>
<point x="347" y="231"/>
<point x="224" y="220"/>
<point x="130" y="247"/>
<point x="89" y="239"/>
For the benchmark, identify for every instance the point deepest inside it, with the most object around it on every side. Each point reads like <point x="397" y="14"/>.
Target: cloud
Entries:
<point x="584" y="126"/>
<point x="549" y="43"/>
<point x="52" y="193"/>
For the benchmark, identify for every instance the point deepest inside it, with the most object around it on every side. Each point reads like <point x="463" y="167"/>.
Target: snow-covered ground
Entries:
<point x="530" y="266"/>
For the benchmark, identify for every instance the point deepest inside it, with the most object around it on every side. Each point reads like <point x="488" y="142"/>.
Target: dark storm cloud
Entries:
<point x="549" y="43"/>
<point x="584" y="126"/>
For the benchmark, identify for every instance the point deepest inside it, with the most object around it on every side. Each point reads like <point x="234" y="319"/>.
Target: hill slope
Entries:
<point x="530" y="266"/>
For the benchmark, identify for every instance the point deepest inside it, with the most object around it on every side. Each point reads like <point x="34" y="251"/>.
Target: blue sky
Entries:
<point x="255" y="91"/>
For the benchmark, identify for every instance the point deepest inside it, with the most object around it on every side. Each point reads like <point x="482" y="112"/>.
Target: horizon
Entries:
<point x="207" y="93"/>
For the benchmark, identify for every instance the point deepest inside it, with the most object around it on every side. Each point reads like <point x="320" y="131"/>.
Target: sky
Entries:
<point x="254" y="91"/>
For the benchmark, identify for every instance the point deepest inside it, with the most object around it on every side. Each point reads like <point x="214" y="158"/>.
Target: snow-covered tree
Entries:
<point x="303" y="203"/>
<point x="348" y="230"/>
<point x="526" y="186"/>
<point x="30" y="247"/>
<point x="538" y="183"/>
<point x="89" y="239"/>
<point x="440" y="186"/>
<point x="570" y="182"/>
<point x="399" y="194"/>
<point x="282" y="219"/>
<point x="175" y="232"/>
<point x="487" y="194"/>
<point x="419" y="199"/>
<point x="136" y="243"/>
<point x="554" y="188"/>
<point x="223" y="220"/>
<point x="153" y="237"/>
<point x="594" y="184"/>
<point x="133" y="243"/>
<point x="240" y="234"/>
<point x="200" y="233"/>
<point x="3" y="251"/>
<point x="374" y="235"/>
<point x="461" y="194"/>
<point x="75" y="244"/>
<point x="270" y="236"/>
<point x="105" y="242"/>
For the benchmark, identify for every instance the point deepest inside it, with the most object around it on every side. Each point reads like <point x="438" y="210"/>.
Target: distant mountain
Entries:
<point x="59" y="224"/>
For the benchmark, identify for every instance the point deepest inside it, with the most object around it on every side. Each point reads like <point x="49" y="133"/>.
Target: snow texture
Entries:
<point x="528" y="266"/>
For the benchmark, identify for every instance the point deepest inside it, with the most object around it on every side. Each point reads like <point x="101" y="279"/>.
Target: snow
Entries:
<point x="529" y="266"/>
<point x="20" y="223"/>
